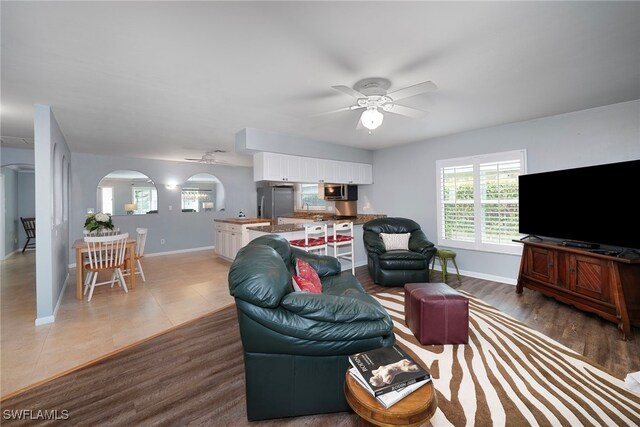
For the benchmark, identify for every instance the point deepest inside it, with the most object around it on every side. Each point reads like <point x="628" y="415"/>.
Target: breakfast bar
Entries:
<point x="295" y="230"/>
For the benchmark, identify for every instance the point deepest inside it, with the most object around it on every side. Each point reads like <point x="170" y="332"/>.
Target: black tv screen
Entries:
<point x="594" y="204"/>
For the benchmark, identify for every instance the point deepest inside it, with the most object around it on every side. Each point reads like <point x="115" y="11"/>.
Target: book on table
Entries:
<point x="390" y="398"/>
<point x="387" y="370"/>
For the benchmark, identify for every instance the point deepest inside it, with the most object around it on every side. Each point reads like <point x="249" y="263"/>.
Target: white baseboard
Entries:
<point x="45" y="320"/>
<point x="180" y="251"/>
<point x="484" y="276"/>
<point x="14" y="252"/>
<point x="50" y="319"/>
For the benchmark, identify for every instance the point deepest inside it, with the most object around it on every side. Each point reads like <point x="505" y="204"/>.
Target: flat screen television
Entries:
<point x="595" y="204"/>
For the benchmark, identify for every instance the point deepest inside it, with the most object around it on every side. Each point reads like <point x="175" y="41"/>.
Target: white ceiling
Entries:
<point x="169" y="80"/>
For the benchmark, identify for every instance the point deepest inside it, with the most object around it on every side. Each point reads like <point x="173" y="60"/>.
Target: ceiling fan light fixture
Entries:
<point x="371" y="118"/>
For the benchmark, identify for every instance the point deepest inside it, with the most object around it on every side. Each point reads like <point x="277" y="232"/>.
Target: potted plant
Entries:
<point x="98" y="222"/>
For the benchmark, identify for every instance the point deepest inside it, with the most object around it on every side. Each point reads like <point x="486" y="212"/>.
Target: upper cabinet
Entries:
<point x="287" y="168"/>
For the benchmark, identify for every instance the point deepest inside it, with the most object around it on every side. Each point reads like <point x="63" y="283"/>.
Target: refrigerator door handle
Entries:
<point x="262" y="207"/>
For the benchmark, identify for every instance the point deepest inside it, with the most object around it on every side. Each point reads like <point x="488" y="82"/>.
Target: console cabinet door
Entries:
<point x="590" y="277"/>
<point x="541" y="265"/>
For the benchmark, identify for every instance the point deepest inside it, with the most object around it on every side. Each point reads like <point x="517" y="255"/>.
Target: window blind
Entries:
<point x="499" y="201"/>
<point x="458" y="203"/>
<point x="478" y="201"/>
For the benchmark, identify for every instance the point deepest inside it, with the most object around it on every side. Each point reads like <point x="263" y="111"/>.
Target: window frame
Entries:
<point x="505" y="156"/>
<point x="298" y="198"/>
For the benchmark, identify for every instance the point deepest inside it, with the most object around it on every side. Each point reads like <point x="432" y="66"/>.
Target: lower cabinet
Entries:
<point x="230" y="238"/>
<point x="605" y="285"/>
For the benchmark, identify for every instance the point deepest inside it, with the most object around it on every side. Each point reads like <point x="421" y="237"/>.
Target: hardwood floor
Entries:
<point x="194" y="374"/>
<point x="179" y="287"/>
<point x="585" y="333"/>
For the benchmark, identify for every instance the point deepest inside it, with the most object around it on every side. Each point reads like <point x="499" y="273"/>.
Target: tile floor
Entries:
<point x="179" y="287"/>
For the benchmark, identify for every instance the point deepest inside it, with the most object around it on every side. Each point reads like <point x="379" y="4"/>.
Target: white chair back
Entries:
<point x="342" y="243"/>
<point x="314" y="231"/>
<point x="102" y="233"/>
<point x="342" y="229"/>
<point x="106" y="252"/>
<point x="141" y="239"/>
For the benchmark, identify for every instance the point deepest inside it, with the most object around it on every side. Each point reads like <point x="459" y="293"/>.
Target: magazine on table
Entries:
<point x="392" y="397"/>
<point x="387" y="369"/>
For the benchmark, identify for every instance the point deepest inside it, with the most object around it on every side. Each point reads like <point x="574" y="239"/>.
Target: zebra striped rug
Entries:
<point x="511" y="375"/>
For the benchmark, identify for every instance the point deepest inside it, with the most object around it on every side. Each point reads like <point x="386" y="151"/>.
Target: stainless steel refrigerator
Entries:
<point x="274" y="202"/>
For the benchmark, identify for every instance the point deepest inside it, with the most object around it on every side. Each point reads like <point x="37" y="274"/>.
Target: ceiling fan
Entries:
<point x="209" y="158"/>
<point x="371" y="94"/>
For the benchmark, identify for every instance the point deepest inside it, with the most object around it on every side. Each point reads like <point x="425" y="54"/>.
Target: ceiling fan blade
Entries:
<point x="412" y="90"/>
<point x="193" y="160"/>
<point x="349" y="91"/>
<point x="352" y="107"/>
<point x="407" y="111"/>
<point x="349" y="108"/>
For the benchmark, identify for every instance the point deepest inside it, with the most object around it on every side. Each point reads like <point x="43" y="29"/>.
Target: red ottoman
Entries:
<point x="436" y="314"/>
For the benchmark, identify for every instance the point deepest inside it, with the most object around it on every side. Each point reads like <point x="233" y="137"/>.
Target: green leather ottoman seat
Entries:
<point x="296" y="343"/>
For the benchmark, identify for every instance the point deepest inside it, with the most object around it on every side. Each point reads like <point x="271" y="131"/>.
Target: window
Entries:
<point x="308" y="198"/>
<point x="146" y="198"/>
<point x="107" y="200"/>
<point x="478" y="201"/>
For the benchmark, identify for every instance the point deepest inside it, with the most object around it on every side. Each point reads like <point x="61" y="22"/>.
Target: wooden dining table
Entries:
<point x="81" y="248"/>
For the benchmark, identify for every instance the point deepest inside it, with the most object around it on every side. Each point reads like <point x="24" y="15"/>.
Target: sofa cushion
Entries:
<point x="391" y="225"/>
<point x="403" y="260"/>
<point x="393" y="241"/>
<point x="279" y="244"/>
<point x="259" y="276"/>
<point x="331" y="308"/>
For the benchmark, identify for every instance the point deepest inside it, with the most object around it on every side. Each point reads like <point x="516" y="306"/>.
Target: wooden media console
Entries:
<point x="606" y="285"/>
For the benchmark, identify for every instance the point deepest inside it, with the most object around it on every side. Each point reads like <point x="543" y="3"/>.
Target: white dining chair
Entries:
<point x="315" y="238"/>
<point x="141" y="239"/>
<point x="105" y="253"/>
<point x="342" y="243"/>
<point x="112" y="232"/>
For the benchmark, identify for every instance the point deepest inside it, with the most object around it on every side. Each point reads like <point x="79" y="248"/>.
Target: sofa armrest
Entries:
<point x="280" y="330"/>
<point x="373" y="243"/>
<point x="419" y="243"/>
<point x="332" y="308"/>
<point x="325" y="265"/>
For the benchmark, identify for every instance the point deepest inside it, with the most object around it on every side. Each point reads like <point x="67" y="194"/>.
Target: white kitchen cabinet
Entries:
<point x="284" y="167"/>
<point x="362" y="173"/>
<point x="230" y="238"/>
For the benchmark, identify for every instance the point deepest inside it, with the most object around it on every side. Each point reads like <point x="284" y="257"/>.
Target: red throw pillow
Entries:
<point x="303" y="285"/>
<point x="304" y="270"/>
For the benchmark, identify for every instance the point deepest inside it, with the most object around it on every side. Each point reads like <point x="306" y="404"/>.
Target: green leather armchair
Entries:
<point x="397" y="267"/>
<point x="296" y="343"/>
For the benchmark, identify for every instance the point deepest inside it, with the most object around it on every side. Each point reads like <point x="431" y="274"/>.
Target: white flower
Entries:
<point x="102" y="217"/>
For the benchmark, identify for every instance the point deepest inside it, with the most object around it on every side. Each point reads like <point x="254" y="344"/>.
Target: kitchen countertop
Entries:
<point x="287" y="228"/>
<point x="242" y="221"/>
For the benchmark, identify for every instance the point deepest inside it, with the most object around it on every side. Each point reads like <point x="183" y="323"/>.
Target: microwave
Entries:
<point x="340" y="192"/>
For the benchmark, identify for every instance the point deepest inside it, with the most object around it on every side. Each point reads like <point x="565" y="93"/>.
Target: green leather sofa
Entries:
<point x="397" y="267"/>
<point x="296" y="343"/>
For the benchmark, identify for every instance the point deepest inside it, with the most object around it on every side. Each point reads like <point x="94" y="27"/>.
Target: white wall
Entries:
<point x="251" y="140"/>
<point x="405" y="176"/>
<point x="9" y="211"/>
<point x="180" y="230"/>
<point x="52" y="226"/>
<point x="26" y="201"/>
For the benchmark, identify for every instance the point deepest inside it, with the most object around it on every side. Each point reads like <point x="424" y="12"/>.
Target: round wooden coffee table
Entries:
<point x="414" y="410"/>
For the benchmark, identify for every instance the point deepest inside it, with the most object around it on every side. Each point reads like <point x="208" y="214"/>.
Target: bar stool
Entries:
<point x="343" y="238"/>
<point x="445" y="255"/>
<point x="315" y="238"/>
